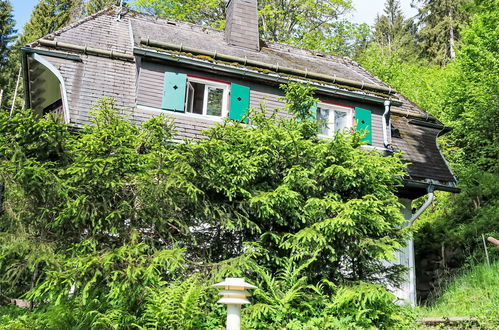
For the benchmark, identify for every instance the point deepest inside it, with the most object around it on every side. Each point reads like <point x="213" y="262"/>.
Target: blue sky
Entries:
<point x="366" y="10"/>
<point x="22" y="11"/>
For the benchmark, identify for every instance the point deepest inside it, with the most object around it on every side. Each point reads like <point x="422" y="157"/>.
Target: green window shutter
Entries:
<point x="239" y="102"/>
<point x="363" y="119"/>
<point x="174" y="85"/>
<point x="312" y="114"/>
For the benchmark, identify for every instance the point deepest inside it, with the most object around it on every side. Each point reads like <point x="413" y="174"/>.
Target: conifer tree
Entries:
<point x="47" y="17"/>
<point x="392" y="30"/>
<point x="93" y="6"/>
<point x="440" y="20"/>
<point x="7" y="35"/>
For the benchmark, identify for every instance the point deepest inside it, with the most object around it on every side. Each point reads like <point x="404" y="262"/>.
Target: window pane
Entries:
<point x="340" y="120"/>
<point x="197" y="106"/>
<point x="190" y="97"/>
<point x="215" y="100"/>
<point x="323" y="120"/>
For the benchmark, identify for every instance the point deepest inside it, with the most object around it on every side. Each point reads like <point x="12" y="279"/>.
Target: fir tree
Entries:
<point x="440" y="20"/>
<point x="93" y="6"/>
<point x="47" y="17"/>
<point x="7" y="36"/>
<point x="392" y="30"/>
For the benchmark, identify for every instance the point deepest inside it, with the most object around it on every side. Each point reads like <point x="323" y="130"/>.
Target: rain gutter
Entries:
<point x="277" y="68"/>
<point x="245" y="72"/>
<point x="49" y="53"/>
<point x="425" y="185"/>
<point x="429" y="200"/>
<point x="87" y="50"/>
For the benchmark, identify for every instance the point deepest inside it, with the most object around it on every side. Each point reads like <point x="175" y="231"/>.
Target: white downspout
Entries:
<point x="385" y="121"/>
<point x="429" y="200"/>
<point x="412" y="255"/>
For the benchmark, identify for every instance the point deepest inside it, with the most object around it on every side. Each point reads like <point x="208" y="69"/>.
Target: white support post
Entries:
<point x="233" y="317"/>
<point x="234" y="295"/>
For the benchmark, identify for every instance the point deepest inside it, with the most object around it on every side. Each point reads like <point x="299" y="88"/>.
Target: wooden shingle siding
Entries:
<point x="93" y="78"/>
<point x="102" y="32"/>
<point x="150" y="88"/>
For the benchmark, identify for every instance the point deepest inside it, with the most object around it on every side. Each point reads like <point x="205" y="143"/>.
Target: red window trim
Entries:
<point x="352" y="109"/>
<point x="208" y="79"/>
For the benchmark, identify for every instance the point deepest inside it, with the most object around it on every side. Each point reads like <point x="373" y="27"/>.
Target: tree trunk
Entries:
<point x="451" y="38"/>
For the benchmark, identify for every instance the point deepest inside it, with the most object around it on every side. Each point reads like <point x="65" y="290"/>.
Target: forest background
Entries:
<point x="445" y="59"/>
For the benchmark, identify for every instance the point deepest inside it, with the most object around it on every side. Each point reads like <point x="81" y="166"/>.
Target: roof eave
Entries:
<point x="248" y="72"/>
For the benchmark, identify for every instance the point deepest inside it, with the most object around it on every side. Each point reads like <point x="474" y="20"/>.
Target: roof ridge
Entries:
<point x="168" y="19"/>
<point x="82" y="20"/>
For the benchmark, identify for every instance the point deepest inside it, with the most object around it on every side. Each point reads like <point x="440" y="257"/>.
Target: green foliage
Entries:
<point x="399" y="71"/>
<point x="93" y="6"/>
<point x="210" y="12"/>
<point x="7" y="32"/>
<point x="312" y="24"/>
<point x="176" y="306"/>
<point x="473" y="293"/>
<point x="392" y="31"/>
<point x="459" y="221"/>
<point x="284" y="296"/>
<point x="7" y="36"/>
<point x="127" y="219"/>
<point x="369" y="306"/>
<point x="439" y="34"/>
<point x="339" y="37"/>
<point x="47" y="17"/>
<point x="473" y="94"/>
<point x="463" y="94"/>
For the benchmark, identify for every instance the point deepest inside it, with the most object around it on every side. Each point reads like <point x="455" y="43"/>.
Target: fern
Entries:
<point x="174" y="306"/>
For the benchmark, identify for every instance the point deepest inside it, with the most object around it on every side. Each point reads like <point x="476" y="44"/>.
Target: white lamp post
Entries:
<point x="234" y="295"/>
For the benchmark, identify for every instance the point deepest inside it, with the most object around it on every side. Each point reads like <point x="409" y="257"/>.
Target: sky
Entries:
<point x="22" y="11"/>
<point x="366" y="10"/>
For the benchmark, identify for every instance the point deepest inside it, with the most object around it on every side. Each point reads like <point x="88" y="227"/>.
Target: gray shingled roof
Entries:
<point x="114" y="77"/>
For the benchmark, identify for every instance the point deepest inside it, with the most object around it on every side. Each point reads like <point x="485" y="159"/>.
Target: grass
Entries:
<point x="474" y="293"/>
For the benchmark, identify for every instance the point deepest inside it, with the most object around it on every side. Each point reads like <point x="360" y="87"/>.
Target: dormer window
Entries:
<point x="333" y="118"/>
<point x="205" y="97"/>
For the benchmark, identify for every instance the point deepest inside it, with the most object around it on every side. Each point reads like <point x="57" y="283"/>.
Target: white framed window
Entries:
<point x="333" y="118"/>
<point x="206" y="97"/>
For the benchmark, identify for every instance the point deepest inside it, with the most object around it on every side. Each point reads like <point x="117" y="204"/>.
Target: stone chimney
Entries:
<point x="241" y="28"/>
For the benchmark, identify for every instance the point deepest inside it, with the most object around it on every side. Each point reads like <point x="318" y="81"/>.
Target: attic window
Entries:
<point x="333" y="118"/>
<point x="205" y="97"/>
<point x="171" y="23"/>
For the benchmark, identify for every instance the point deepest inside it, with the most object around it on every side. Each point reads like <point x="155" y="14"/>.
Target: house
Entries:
<point x="199" y="76"/>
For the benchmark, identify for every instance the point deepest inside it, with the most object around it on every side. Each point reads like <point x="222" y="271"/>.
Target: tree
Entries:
<point x="104" y="212"/>
<point x="391" y="30"/>
<point x="90" y="7"/>
<point x="7" y="36"/>
<point x="47" y="17"/>
<point x="440" y="21"/>
<point x="210" y="12"/>
<point x="340" y="37"/>
<point x="284" y="21"/>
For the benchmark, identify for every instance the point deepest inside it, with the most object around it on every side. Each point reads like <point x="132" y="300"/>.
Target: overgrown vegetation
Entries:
<point x="464" y="95"/>
<point x="133" y="226"/>
<point x="92" y="222"/>
<point x="473" y="293"/>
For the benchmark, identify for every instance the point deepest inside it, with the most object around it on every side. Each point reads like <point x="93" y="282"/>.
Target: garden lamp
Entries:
<point x="234" y="295"/>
